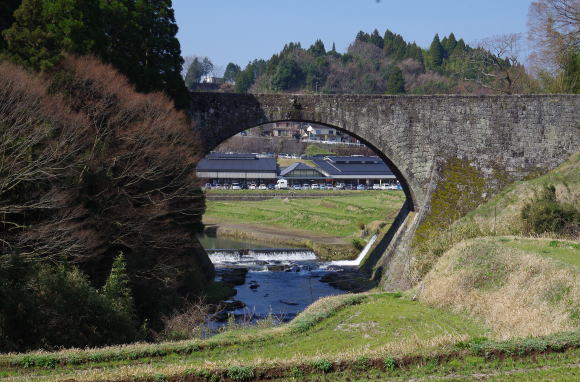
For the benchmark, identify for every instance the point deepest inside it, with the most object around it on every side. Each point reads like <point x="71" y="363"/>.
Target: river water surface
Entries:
<point x="280" y="281"/>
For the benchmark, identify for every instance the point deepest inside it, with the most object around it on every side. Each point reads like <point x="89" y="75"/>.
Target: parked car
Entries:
<point x="376" y="186"/>
<point x="340" y="186"/>
<point x="263" y="187"/>
<point x="361" y="187"/>
<point x="350" y="187"/>
<point x="305" y="186"/>
<point x="322" y="187"/>
<point x="236" y="186"/>
<point x="385" y="186"/>
<point x="270" y="186"/>
<point x="207" y="186"/>
<point x="252" y="186"/>
<point x="296" y="187"/>
<point x="314" y="186"/>
<point x="329" y="187"/>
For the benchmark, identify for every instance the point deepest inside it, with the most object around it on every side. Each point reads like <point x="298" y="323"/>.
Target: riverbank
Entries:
<point x="335" y="227"/>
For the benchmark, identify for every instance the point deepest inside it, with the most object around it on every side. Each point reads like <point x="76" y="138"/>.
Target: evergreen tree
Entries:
<point x="436" y="53"/>
<point x="231" y="72"/>
<point x="362" y="37"/>
<point x="43" y="30"/>
<point x="117" y="289"/>
<point x="395" y="81"/>
<point x="317" y="49"/>
<point x="376" y="39"/>
<point x="394" y="46"/>
<point x="288" y="76"/>
<point x="138" y="37"/>
<point x="450" y="45"/>
<point x="194" y="73"/>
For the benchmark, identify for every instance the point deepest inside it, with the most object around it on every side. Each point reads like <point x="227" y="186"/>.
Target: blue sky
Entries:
<point x="241" y="30"/>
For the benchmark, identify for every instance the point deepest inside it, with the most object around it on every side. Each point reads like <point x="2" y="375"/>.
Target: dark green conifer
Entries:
<point x="436" y="53"/>
<point x="376" y="39"/>
<point x="117" y="289"/>
<point x="317" y="49"/>
<point x="395" y="80"/>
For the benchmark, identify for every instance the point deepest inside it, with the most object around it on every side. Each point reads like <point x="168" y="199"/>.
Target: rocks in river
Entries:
<point x="253" y="285"/>
<point x="278" y="267"/>
<point x="232" y="275"/>
<point x="289" y="303"/>
<point x="232" y="305"/>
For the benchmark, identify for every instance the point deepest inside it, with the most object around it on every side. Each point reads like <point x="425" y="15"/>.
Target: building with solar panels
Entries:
<point x="217" y="168"/>
<point x="244" y="169"/>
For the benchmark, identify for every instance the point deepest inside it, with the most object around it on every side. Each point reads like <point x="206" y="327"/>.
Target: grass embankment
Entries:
<point x="352" y="336"/>
<point x="310" y="222"/>
<point x="500" y="216"/>
<point x="517" y="287"/>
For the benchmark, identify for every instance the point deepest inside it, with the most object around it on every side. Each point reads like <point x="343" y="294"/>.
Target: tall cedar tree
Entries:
<point x="436" y="53"/>
<point x="135" y="36"/>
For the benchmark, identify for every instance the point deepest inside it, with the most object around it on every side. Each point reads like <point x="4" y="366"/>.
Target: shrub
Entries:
<point x="189" y="323"/>
<point x="323" y="365"/>
<point x="241" y="373"/>
<point x="544" y="213"/>
<point x="390" y="363"/>
<point x="54" y="306"/>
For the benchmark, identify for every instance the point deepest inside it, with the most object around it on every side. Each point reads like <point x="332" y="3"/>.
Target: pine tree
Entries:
<point x="395" y="81"/>
<point x="117" y="288"/>
<point x="436" y="53"/>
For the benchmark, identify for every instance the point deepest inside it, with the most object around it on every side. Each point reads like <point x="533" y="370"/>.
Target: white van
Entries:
<point x="281" y="184"/>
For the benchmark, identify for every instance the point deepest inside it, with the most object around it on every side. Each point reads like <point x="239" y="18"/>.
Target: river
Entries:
<point x="280" y="282"/>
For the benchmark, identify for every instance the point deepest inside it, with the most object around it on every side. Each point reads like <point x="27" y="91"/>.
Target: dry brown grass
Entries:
<point x="513" y="292"/>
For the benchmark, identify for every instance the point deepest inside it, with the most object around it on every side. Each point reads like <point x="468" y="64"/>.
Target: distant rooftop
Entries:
<point x="236" y="162"/>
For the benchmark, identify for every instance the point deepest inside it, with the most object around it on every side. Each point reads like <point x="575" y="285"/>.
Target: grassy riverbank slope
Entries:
<point x="349" y="336"/>
<point x="332" y="220"/>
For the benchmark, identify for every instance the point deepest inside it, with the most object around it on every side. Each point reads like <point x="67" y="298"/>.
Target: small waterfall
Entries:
<point x="219" y="256"/>
<point x="360" y="257"/>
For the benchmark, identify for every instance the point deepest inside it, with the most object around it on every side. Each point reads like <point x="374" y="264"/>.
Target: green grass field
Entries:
<point x="338" y="216"/>
<point x="564" y="252"/>
<point x="348" y="337"/>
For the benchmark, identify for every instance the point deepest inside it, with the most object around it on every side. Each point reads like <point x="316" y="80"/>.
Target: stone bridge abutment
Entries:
<point x="516" y="135"/>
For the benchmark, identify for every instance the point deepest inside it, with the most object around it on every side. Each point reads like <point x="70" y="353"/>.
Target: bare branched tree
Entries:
<point x="494" y="64"/>
<point x="89" y="167"/>
<point x="553" y="30"/>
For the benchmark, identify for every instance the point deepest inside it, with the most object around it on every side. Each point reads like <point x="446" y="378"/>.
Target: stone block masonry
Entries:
<point x="505" y="138"/>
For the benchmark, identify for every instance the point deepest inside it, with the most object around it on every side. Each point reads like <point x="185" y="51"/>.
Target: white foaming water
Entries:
<point x="220" y="256"/>
<point x="356" y="262"/>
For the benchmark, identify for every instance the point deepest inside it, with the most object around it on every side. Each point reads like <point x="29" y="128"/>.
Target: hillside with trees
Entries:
<point x="376" y="63"/>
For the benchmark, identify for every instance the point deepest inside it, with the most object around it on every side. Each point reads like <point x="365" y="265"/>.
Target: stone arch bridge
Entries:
<point x="516" y="135"/>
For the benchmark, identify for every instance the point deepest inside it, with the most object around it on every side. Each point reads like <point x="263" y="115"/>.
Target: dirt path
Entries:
<point x="268" y="233"/>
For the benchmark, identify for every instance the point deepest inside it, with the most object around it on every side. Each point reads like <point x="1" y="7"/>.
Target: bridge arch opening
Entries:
<point x="411" y="199"/>
<point x="240" y="252"/>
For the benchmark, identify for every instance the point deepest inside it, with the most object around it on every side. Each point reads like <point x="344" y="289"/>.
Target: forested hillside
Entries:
<point x="388" y="64"/>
